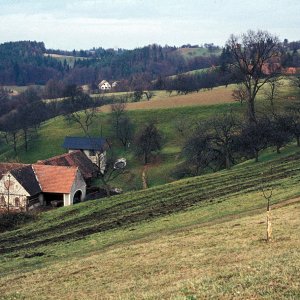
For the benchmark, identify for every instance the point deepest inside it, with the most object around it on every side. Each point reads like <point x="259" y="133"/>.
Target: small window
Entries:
<point x="17" y="202"/>
<point x="2" y="201"/>
<point x="92" y="153"/>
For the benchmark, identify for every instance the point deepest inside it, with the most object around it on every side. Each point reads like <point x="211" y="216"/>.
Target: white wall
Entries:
<point x="78" y="185"/>
<point x="16" y="190"/>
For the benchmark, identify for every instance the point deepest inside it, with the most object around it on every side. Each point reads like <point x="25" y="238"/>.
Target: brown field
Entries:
<point x="162" y="100"/>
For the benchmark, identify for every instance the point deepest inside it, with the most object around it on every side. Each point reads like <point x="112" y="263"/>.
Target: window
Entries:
<point x="17" y="202"/>
<point x="2" y="201"/>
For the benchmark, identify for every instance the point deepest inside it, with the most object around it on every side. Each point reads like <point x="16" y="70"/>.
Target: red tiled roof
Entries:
<point x="5" y="167"/>
<point x="73" y="159"/>
<point x="290" y="71"/>
<point x="55" y="179"/>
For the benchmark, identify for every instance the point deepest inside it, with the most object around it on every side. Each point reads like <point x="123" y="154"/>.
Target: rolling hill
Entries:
<point x="199" y="237"/>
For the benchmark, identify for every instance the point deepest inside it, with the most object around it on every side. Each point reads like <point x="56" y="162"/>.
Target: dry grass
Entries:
<point x="229" y="260"/>
<point x="218" y="95"/>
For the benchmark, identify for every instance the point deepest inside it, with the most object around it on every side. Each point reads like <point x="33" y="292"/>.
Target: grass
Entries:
<point x="19" y="89"/>
<point x="68" y="58"/>
<point x="48" y="141"/>
<point x="166" y="111"/>
<point x="201" y="237"/>
<point x="189" y="53"/>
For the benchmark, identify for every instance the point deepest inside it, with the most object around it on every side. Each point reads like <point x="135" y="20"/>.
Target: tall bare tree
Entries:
<point x="82" y="109"/>
<point x="147" y="140"/>
<point x="256" y="60"/>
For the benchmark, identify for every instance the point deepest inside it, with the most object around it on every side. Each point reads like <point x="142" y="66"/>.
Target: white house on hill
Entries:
<point x="104" y="86"/>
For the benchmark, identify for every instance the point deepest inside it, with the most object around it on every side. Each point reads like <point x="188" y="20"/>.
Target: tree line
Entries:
<point x="26" y="62"/>
<point x="223" y="141"/>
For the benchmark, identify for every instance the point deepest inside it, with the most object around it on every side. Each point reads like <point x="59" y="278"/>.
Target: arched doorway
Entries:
<point x="77" y="197"/>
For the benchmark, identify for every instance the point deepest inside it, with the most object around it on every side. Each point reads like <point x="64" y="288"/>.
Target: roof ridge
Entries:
<point x="61" y="155"/>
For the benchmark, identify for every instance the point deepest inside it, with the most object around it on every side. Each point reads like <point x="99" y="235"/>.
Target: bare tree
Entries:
<point x="148" y="140"/>
<point x="125" y="131"/>
<point x="254" y="137"/>
<point x="149" y="94"/>
<point x="224" y="132"/>
<point x="198" y="152"/>
<point x="83" y="118"/>
<point x="114" y="168"/>
<point x="256" y="56"/>
<point x="121" y="123"/>
<point x="240" y="94"/>
<point x="117" y="111"/>
<point x="81" y="110"/>
<point x="271" y="92"/>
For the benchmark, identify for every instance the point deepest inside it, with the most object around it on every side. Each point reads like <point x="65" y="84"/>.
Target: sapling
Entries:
<point x="267" y="193"/>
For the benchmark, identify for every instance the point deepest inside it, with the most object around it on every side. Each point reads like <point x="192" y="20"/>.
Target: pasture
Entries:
<point x="202" y="237"/>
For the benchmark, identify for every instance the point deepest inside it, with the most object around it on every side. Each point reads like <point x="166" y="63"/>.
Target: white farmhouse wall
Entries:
<point x="67" y="200"/>
<point x="16" y="192"/>
<point x="78" y="185"/>
<point x="105" y="86"/>
<point x="101" y="161"/>
<point x="98" y="158"/>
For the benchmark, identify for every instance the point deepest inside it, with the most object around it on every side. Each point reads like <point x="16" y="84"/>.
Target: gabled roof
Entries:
<point x="84" y="143"/>
<point x="5" y="167"/>
<point x="55" y="179"/>
<point x="73" y="159"/>
<point x="26" y="177"/>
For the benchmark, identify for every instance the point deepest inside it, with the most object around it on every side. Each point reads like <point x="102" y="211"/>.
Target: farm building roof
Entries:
<point x="84" y="143"/>
<point x="73" y="159"/>
<point x="27" y="178"/>
<point x="55" y="179"/>
<point x="5" y="167"/>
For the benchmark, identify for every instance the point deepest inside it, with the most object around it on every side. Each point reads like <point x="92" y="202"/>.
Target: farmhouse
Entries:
<point x="93" y="148"/>
<point x="74" y="159"/>
<point x="104" y="86"/>
<point x="114" y="84"/>
<point x="28" y="186"/>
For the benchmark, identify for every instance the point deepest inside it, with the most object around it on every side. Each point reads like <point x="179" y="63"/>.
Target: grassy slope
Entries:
<point x="201" y="236"/>
<point x="189" y="53"/>
<point x="165" y="110"/>
<point x="51" y="134"/>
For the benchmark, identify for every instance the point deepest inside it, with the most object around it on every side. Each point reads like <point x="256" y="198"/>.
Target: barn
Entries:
<point x="28" y="186"/>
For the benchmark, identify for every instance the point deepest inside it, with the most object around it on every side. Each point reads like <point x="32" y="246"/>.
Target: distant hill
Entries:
<point x="30" y="62"/>
<point x="27" y="62"/>
<point x="23" y="63"/>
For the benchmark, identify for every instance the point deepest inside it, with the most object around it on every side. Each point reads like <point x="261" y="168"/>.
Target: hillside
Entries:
<point x="29" y="63"/>
<point x="166" y="111"/>
<point x="174" y="115"/>
<point x="178" y="233"/>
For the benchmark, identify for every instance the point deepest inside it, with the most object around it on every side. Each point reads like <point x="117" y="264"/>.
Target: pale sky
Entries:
<point x="83" y="24"/>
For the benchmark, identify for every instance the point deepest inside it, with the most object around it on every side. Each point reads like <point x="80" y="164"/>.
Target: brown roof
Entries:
<point x="73" y="159"/>
<point x="5" y="167"/>
<point x="55" y="179"/>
